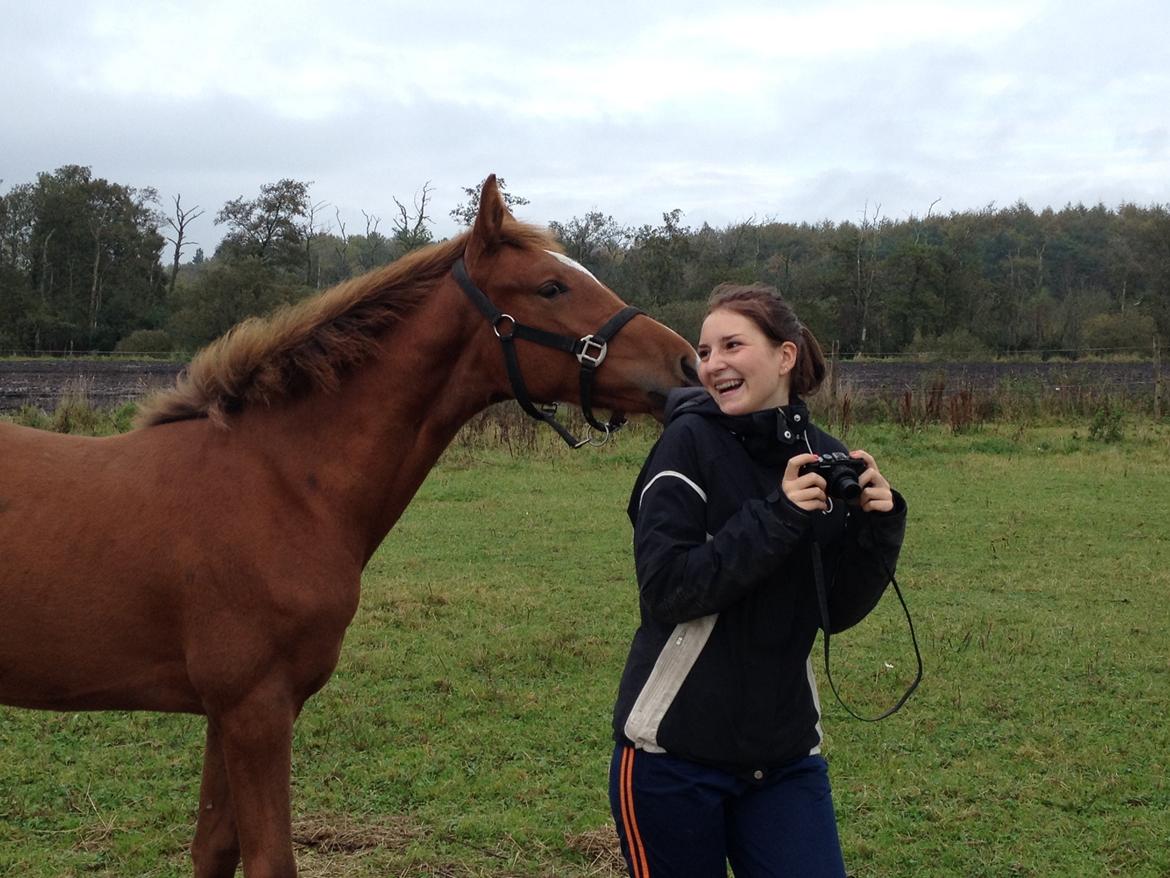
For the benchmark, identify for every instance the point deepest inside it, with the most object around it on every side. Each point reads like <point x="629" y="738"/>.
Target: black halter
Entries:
<point x="590" y="352"/>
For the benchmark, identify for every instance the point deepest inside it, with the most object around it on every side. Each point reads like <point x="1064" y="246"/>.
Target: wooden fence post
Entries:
<point x="834" y="372"/>
<point x="1157" y="379"/>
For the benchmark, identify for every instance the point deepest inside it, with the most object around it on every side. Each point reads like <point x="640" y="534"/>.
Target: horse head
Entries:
<point x="588" y="347"/>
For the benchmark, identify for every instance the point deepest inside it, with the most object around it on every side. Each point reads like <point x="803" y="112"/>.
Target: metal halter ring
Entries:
<point x="587" y="357"/>
<point x="496" y="326"/>
<point x="597" y="441"/>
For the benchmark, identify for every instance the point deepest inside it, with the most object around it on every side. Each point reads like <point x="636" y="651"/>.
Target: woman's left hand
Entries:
<point x="876" y="494"/>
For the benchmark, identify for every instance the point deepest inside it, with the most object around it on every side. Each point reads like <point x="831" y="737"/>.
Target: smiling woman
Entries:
<point x="739" y="367"/>
<point x="753" y="351"/>
<point x="717" y="722"/>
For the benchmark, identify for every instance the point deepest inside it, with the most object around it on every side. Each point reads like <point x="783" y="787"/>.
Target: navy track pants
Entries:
<point x="678" y="819"/>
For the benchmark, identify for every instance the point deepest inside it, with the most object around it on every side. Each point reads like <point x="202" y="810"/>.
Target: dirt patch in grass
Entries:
<point x="338" y="833"/>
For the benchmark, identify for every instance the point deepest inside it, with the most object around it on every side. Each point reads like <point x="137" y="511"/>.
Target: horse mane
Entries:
<point x="312" y="344"/>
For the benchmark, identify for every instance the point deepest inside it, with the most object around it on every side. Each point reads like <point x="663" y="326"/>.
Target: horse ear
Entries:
<point x="485" y="233"/>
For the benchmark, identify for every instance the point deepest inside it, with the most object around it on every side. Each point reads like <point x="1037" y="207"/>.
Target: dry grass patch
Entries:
<point x="601" y="851"/>
<point x="339" y="833"/>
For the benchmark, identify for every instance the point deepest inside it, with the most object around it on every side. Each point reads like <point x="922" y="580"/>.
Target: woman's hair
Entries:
<point x="776" y="319"/>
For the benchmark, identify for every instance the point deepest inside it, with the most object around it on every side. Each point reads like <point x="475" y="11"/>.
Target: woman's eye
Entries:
<point x="703" y="355"/>
<point x="552" y="289"/>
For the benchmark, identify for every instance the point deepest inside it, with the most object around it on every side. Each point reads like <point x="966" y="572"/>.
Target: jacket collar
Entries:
<point x="765" y="434"/>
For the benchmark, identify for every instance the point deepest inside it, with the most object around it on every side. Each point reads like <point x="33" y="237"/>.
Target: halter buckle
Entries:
<point x="586" y="355"/>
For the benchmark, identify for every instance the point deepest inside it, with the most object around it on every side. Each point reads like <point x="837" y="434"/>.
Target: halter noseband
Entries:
<point x="590" y="352"/>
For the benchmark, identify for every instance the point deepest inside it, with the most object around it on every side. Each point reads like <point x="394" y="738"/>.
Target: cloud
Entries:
<point x="803" y="111"/>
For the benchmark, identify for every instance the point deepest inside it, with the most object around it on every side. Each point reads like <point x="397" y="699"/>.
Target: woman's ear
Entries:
<point x="788" y="354"/>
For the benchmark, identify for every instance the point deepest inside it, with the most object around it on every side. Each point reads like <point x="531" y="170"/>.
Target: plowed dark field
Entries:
<point x="105" y="383"/>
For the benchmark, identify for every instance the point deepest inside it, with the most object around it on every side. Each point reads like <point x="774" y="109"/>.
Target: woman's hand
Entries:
<point x="808" y="491"/>
<point x="876" y="494"/>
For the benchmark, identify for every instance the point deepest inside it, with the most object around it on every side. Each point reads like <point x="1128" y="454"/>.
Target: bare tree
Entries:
<point x="410" y="228"/>
<point x="97" y="225"/>
<point x="373" y="249"/>
<point x="341" y="248"/>
<point x="311" y="232"/>
<point x="921" y="224"/>
<point x="866" y="267"/>
<point x="178" y="225"/>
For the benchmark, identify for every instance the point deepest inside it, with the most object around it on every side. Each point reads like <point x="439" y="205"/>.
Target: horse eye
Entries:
<point x="552" y="289"/>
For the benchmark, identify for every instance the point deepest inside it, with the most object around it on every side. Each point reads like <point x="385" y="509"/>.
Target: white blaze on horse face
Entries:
<point x="561" y="257"/>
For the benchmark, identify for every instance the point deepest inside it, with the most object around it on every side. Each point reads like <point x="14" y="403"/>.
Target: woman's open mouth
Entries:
<point x="728" y="386"/>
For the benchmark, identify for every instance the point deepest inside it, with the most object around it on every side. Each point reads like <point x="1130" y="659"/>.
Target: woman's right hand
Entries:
<point x="808" y="491"/>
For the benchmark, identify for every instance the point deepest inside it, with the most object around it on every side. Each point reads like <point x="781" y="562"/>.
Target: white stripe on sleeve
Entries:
<point x="677" y="475"/>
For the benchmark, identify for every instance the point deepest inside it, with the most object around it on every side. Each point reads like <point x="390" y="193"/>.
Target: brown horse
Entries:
<point x="210" y="561"/>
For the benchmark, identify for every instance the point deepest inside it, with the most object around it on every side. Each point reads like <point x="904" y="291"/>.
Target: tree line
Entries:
<point x="91" y="265"/>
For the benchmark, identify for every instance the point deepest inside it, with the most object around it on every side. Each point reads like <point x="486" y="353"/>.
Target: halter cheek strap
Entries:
<point x="593" y="349"/>
<point x="589" y="350"/>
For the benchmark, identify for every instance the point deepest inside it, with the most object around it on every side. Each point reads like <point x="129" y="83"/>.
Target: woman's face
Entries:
<point x="740" y="366"/>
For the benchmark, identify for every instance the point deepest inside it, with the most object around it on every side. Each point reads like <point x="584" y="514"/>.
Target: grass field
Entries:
<point x="466" y="731"/>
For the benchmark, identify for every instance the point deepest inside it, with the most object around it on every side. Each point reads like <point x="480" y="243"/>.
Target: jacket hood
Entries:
<point x="768" y="435"/>
<point x="690" y="399"/>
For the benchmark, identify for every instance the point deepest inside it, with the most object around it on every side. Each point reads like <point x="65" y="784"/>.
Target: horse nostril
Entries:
<point x="689" y="371"/>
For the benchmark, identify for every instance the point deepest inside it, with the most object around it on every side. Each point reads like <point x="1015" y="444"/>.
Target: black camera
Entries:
<point x="840" y="472"/>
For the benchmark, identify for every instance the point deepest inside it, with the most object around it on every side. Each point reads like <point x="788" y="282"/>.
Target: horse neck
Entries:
<point x="363" y="451"/>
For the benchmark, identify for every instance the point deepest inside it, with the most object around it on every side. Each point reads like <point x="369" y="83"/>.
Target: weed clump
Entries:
<point x="1106" y="424"/>
<point x="76" y="415"/>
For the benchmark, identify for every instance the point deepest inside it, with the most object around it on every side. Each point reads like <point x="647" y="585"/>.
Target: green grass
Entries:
<point x="466" y="731"/>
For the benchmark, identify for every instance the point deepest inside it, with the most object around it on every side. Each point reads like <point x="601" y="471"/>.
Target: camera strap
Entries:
<point x="823" y="601"/>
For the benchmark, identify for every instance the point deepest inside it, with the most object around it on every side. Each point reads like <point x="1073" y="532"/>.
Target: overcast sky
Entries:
<point x="795" y="111"/>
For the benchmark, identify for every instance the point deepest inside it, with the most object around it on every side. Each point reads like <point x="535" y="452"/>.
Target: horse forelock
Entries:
<point x="311" y="345"/>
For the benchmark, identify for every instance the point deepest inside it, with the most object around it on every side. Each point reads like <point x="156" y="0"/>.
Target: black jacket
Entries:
<point x="719" y="669"/>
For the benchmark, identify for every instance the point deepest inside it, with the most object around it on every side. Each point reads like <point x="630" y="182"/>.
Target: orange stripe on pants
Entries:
<point x="633" y="837"/>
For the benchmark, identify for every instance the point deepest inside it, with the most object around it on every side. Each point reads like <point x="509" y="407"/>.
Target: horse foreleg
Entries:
<point x="256" y="739"/>
<point x="216" y="849"/>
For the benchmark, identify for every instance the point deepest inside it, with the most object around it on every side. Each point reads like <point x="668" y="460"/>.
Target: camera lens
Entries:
<point x="843" y="483"/>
